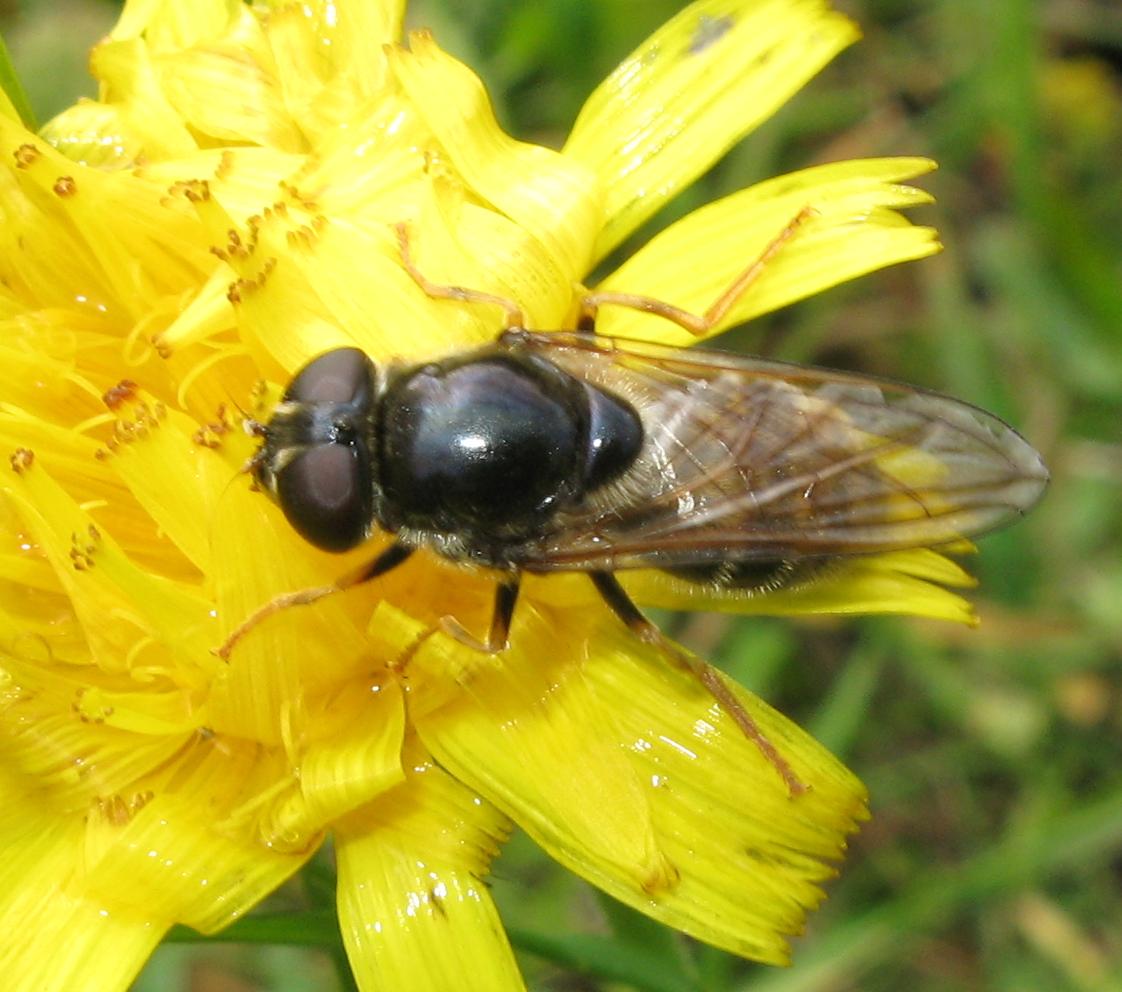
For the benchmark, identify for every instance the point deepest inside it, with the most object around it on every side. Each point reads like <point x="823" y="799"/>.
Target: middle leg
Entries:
<point x="697" y="324"/>
<point x="498" y="637"/>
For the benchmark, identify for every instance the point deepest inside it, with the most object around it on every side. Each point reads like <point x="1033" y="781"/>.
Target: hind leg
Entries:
<point x="621" y="605"/>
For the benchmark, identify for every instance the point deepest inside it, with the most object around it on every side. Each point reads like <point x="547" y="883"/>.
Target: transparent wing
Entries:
<point x="751" y="460"/>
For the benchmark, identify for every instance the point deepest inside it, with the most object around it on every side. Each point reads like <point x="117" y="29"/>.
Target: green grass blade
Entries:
<point x="318" y="928"/>
<point x="1028" y="853"/>
<point x="604" y="958"/>
<point x="11" y="85"/>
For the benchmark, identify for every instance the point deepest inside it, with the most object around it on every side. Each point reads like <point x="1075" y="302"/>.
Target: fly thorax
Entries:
<point x="491" y="446"/>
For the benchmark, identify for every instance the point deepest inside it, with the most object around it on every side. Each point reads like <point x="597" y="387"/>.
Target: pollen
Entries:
<point x="123" y="392"/>
<point x="26" y="155"/>
<point x="21" y="460"/>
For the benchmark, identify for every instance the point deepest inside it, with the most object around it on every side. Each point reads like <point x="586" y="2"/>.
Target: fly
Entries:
<point x="569" y="452"/>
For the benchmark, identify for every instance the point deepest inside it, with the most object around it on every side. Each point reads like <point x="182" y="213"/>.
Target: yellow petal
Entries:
<point x="354" y="749"/>
<point x="62" y="747"/>
<point x="693" y="89"/>
<point x="172" y="26"/>
<point x="413" y="908"/>
<point x="854" y="228"/>
<point x="42" y="258"/>
<point x="104" y="585"/>
<point x="95" y="134"/>
<point x="552" y="196"/>
<point x="549" y="721"/>
<point x="175" y="479"/>
<point x="205" y="315"/>
<point x="197" y="846"/>
<point x="125" y="866"/>
<point x="297" y="654"/>
<point x="143" y="122"/>
<point x="7" y="108"/>
<point x="67" y="204"/>
<point x="67" y="938"/>
<point x="351" y="33"/>
<point x="898" y="582"/>
<point x="197" y="81"/>
<point x="308" y="282"/>
<point x="479" y="248"/>
<point x="751" y="856"/>
<point x="69" y="943"/>
<point x="48" y="392"/>
<point x="736" y="860"/>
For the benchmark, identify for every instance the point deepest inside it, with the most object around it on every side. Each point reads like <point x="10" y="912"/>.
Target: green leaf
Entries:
<point x="11" y="85"/>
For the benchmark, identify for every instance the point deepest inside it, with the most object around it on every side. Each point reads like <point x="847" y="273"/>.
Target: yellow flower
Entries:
<point x="221" y="213"/>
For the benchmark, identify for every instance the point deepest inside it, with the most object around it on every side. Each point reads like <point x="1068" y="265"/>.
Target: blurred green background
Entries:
<point x="994" y="859"/>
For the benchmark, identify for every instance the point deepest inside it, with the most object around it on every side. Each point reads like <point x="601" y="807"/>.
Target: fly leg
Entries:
<point x="498" y="637"/>
<point x="386" y="560"/>
<point x="621" y="605"/>
<point x="698" y="324"/>
<point x="506" y="595"/>
<point x="514" y="319"/>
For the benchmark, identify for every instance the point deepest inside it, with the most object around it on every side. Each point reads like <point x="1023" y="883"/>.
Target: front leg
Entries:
<point x="382" y="563"/>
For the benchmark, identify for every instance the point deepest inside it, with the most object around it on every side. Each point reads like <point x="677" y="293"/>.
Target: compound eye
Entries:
<point x="340" y="376"/>
<point x="327" y="495"/>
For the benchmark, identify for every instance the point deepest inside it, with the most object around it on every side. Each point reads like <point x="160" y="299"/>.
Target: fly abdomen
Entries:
<point x="750" y="575"/>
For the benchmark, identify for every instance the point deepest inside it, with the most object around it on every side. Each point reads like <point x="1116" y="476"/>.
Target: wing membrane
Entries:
<point x="746" y="459"/>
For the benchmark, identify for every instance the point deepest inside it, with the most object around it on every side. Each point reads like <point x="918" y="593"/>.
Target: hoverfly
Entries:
<point x="568" y="452"/>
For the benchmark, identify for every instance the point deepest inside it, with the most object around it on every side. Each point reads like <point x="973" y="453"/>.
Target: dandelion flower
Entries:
<point x="224" y="211"/>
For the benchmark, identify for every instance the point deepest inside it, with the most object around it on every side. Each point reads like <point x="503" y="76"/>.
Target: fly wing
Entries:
<point x="751" y="460"/>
